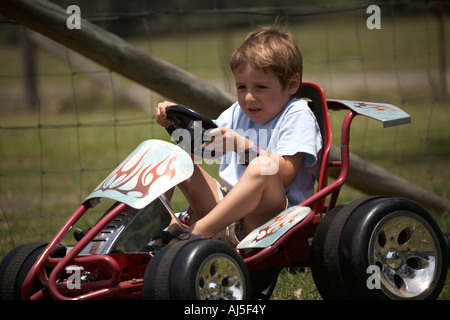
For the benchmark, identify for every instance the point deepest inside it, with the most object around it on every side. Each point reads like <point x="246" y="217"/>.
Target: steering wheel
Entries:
<point x="195" y="124"/>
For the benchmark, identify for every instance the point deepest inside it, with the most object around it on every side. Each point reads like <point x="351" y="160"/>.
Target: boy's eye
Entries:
<point x="241" y="87"/>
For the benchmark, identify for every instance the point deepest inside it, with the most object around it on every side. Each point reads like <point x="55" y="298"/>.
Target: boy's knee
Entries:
<point x="263" y="166"/>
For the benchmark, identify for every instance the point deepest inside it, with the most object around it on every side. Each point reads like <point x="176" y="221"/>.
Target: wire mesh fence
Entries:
<point x="65" y="122"/>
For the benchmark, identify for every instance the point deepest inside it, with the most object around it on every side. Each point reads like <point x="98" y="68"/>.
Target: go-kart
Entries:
<point x="376" y="247"/>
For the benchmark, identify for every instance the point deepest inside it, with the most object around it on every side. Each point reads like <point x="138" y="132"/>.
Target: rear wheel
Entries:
<point x="378" y="248"/>
<point x="406" y="249"/>
<point x="198" y="269"/>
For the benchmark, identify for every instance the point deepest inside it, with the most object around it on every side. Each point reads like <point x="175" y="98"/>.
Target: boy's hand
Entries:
<point x="226" y="139"/>
<point x="161" y="116"/>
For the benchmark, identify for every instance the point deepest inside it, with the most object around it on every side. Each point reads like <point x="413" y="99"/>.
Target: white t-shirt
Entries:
<point x="294" y="130"/>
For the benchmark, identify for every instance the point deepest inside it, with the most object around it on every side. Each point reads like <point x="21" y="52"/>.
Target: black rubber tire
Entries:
<point x="447" y="242"/>
<point x="264" y="282"/>
<point x="15" y="267"/>
<point x="340" y="250"/>
<point x="325" y="266"/>
<point x="173" y="273"/>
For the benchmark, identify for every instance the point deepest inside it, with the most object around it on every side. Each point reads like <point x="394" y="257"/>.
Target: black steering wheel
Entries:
<point x="195" y="124"/>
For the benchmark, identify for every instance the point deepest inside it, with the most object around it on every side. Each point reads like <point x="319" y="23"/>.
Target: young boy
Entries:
<point x="271" y="142"/>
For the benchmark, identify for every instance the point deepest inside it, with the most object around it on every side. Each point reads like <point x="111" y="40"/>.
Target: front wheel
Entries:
<point x="199" y="269"/>
<point x="14" y="268"/>
<point x="379" y="248"/>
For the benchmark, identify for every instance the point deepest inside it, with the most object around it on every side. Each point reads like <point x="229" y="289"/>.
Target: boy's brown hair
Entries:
<point x="270" y="49"/>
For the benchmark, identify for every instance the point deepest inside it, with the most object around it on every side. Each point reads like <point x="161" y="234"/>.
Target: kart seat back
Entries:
<point x="318" y="104"/>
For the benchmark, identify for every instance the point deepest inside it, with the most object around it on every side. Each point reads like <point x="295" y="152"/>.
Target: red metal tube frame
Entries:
<point x="344" y="164"/>
<point x="41" y="260"/>
<point x="38" y="268"/>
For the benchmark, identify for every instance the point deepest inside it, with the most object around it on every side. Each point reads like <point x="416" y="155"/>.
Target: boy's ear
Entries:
<point x="294" y="83"/>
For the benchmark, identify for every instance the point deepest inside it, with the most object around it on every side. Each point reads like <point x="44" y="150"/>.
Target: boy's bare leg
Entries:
<point x="256" y="197"/>
<point x="201" y="192"/>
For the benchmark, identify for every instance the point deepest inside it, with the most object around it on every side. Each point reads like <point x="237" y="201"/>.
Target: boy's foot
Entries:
<point x="179" y="235"/>
<point x="78" y="234"/>
<point x="159" y="242"/>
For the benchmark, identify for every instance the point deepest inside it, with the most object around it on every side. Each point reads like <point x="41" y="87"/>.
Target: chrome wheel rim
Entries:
<point x="407" y="252"/>
<point x="220" y="278"/>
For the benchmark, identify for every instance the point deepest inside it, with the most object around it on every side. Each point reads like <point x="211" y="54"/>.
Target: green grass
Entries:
<point x="295" y="284"/>
<point x="298" y="284"/>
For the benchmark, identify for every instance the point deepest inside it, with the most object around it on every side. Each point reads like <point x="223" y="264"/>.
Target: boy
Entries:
<point x="268" y="72"/>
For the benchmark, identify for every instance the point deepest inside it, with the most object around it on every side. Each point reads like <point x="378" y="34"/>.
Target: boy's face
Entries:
<point x="261" y="95"/>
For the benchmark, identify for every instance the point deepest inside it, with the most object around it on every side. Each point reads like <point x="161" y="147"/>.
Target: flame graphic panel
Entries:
<point x="151" y="169"/>
<point x="272" y="230"/>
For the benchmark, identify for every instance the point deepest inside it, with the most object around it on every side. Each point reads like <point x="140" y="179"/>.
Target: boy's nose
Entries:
<point x="249" y="97"/>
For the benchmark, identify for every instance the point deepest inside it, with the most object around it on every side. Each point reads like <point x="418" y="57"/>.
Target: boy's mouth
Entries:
<point x="254" y="109"/>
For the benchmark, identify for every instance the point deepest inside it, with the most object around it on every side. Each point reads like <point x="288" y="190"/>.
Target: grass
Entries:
<point x="295" y="284"/>
<point x="52" y="158"/>
<point x="298" y="284"/>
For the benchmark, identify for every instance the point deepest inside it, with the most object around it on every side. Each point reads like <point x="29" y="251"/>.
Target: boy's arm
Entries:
<point x="288" y="166"/>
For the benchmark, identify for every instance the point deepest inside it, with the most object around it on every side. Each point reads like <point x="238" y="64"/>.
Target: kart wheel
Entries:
<point x="199" y="269"/>
<point x="15" y="267"/>
<point x="379" y="248"/>
<point x="264" y="282"/>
